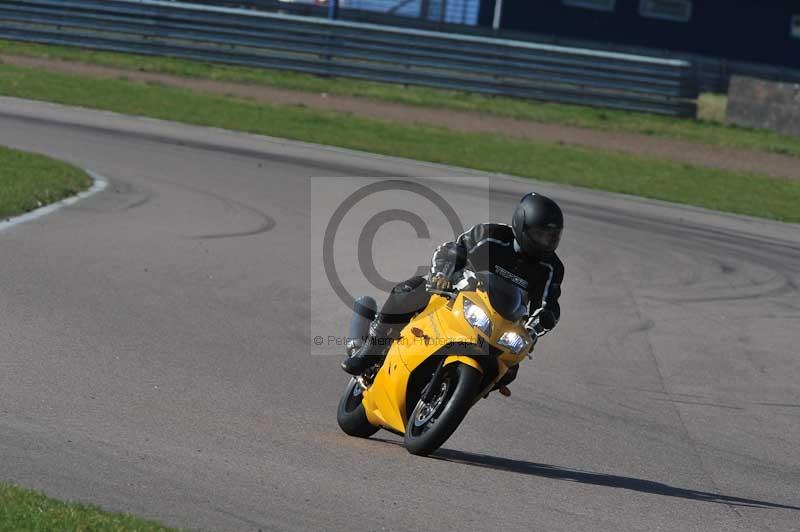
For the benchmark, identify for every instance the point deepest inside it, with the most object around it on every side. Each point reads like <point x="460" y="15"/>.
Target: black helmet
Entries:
<point x="537" y="224"/>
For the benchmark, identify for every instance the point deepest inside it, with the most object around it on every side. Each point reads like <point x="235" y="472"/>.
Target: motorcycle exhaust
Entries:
<point x="364" y="311"/>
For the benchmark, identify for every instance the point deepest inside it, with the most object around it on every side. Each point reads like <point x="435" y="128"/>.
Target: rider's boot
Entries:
<point x="375" y="347"/>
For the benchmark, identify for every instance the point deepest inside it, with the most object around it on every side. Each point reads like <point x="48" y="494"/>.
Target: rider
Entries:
<point x="523" y="253"/>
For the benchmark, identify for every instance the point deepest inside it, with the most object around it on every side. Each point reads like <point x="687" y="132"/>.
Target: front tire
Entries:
<point x="351" y="415"/>
<point x="430" y="424"/>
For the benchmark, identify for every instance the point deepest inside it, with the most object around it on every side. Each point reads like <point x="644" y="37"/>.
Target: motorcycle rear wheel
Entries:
<point x="431" y="424"/>
<point x="351" y="416"/>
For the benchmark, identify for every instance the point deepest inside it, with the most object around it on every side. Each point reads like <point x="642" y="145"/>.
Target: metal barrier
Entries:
<point x="357" y="50"/>
<point x="713" y="73"/>
<point x="417" y="12"/>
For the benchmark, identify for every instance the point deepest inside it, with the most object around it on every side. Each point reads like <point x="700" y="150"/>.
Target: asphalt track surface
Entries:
<point x="154" y="354"/>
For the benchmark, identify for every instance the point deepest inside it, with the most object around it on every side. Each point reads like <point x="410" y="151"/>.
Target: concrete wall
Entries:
<point x="764" y="104"/>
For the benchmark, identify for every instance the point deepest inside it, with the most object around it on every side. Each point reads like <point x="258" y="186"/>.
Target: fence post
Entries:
<point x="498" y="14"/>
<point x="424" y="9"/>
<point x="333" y="9"/>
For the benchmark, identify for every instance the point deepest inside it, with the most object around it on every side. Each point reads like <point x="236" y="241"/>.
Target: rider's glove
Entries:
<point x="541" y="323"/>
<point x="440" y="282"/>
<point x="534" y="340"/>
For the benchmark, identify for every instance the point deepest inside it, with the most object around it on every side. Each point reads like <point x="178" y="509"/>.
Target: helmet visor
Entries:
<point x="546" y="239"/>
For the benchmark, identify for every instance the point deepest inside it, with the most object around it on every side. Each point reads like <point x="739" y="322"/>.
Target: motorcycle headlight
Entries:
<point x="513" y="342"/>
<point x="477" y="317"/>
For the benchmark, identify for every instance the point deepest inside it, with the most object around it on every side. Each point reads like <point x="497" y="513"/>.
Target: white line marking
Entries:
<point x="100" y="183"/>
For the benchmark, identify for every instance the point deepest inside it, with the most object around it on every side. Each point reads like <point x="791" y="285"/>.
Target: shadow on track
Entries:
<point x="596" y="479"/>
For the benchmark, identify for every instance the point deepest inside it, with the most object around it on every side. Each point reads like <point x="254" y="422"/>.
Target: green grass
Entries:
<point x="29" y="181"/>
<point x="708" y="130"/>
<point x="712" y="108"/>
<point x="617" y="172"/>
<point x="24" y="510"/>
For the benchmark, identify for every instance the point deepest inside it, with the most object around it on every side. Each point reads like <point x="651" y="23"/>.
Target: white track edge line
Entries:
<point x="99" y="183"/>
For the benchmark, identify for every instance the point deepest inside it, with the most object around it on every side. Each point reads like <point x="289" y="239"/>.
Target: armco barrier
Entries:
<point x="357" y="50"/>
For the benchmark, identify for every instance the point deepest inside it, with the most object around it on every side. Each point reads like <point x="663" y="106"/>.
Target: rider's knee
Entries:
<point x="406" y="287"/>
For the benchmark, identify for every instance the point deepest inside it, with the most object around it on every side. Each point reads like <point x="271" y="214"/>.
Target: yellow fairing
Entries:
<point x="441" y="323"/>
<point x="469" y="361"/>
<point x="385" y="401"/>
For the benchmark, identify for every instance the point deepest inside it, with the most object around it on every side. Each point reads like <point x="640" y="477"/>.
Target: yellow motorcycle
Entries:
<point x="447" y="358"/>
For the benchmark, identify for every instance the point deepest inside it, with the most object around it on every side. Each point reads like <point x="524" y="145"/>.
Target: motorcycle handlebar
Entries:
<point x="450" y="294"/>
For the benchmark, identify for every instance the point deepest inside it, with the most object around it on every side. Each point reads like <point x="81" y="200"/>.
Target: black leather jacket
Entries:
<point x="491" y="247"/>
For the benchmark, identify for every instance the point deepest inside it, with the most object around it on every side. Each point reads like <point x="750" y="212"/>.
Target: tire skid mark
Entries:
<point x="147" y="198"/>
<point x="267" y="222"/>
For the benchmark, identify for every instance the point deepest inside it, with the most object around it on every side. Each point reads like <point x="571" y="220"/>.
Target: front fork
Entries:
<point x="433" y="384"/>
<point x="428" y="391"/>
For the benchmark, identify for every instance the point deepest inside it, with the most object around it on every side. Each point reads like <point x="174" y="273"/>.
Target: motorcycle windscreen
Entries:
<point x="507" y="298"/>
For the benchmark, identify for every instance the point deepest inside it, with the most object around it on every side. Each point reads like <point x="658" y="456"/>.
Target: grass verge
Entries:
<point x="707" y="130"/>
<point x="23" y="510"/>
<point x="29" y="181"/>
<point x="616" y="172"/>
<point x="714" y="107"/>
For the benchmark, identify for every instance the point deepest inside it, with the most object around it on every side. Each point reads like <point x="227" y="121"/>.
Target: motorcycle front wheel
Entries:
<point x="432" y="422"/>
<point x="351" y="415"/>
